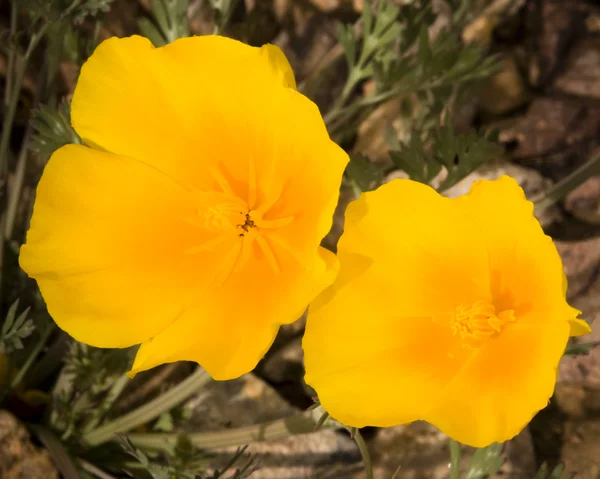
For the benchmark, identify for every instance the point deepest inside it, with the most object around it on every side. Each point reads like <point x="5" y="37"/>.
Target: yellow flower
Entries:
<point x="192" y="222"/>
<point x="449" y="311"/>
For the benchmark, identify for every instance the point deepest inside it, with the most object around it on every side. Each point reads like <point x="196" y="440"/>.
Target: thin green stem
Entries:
<point x="11" y="108"/>
<point x="364" y="452"/>
<point x="568" y="184"/>
<point x="93" y="470"/>
<point x="454" y="459"/>
<point x="270" y="431"/>
<point x="149" y="411"/>
<point x="33" y="355"/>
<point x="13" y="100"/>
<point x="114" y="392"/>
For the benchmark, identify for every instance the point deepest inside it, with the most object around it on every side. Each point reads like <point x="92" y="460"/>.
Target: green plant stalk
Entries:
<point x="270" y="431"/>
<point x="364" y="452"/>
<point x="14" y="99"/>
<point x="114" y="392"/>
<point x="33" y="355"/>
<point x="57" y="451"/>
<point x="11" y="104"/>
<point x="568" y="184"/>
<point x="93" y="470"/>
<point x="150" y="410"/>
<point x="454" y="459"/>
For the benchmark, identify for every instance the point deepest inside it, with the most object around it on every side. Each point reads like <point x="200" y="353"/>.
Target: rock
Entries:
<point x="519" y="458"/>
<point x="505" y="90"/>
<point x="283" y="366"/>
<point x="330" y="241"/>
<point x="554" y="25"/>
<point x="480" y="30"/>
<point x="552" y="125"/>
<point x="250" y="401"/>
<point x="122" y="19"/>
<point x="19" y="458"/>
<point x="584" y="201"/>
<point x="325" y="454"/>
<point x="307" y="41"/>
<point x="372" y="133"/>
<point x="532" y="182"/>
<point x="585" y="368"/>
<point x="582" y="72"/>
<point x="422" y="452"/>
<point x="578" y="406"/>
<point x="580" y="262"/>
<point x="240" y="402"/>
<point x="326" y="5"/>
<point x="581" y="448"/>
<point x="419" y="448"/>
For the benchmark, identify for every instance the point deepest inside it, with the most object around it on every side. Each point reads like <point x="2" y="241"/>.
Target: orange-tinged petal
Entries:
<point x="503" y="386"/>
<point x="384" y="373"/>
<point x="526" y="270"/>
<point x="376" y="332"/>
<point x="429" y="318"/>
<point x="258" y="175"/>
<point x="227" y="334"/>
<point x="214" y="113"/>
<point x="106" y="246"/>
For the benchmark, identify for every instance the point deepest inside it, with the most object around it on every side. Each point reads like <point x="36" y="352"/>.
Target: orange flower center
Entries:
<point x="235" y="226"/>
<point x="477" y="322"/>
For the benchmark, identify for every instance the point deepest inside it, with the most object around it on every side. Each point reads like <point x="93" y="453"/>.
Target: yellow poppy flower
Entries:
<point x="191" y="223"/>
<point x="449" y="311"/>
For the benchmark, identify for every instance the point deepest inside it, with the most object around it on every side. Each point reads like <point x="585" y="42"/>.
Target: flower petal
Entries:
<point x="280" y="65"/>
<point x="503" y="386"/>
<point x="213" y="113"/>
<point x="579" y="327"/>
<point x="168" y="106"/>
<point x="373" y="335"/>
<point x="526" y="270"/>
<point x="106" y="246"/>
<point x="228" y="334"/>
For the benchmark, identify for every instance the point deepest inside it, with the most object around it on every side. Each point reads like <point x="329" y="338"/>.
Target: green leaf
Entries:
<point x="463" y="153"/>
<point x="412" y="159"/>
<point x="149" y="30"/>
<point x="424" y="55"/>
<point x="161" y="14"/>
<point x="367" y="19"/>
<point x="345" y="35"/>
<point x="164" y="423"/>
<point x="10" y="317"/>
<point x="365" y="174"/>
<point x="556" y="473"/>
<point x="485" y="462"/>
<point x="580" y="349"/>
<point x="52" y="129"/>
<point x="14" y="329"/>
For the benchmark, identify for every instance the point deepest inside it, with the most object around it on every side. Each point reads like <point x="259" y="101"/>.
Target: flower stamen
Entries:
<point x="247" y="225"/>
<point x="477" y="322"/>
